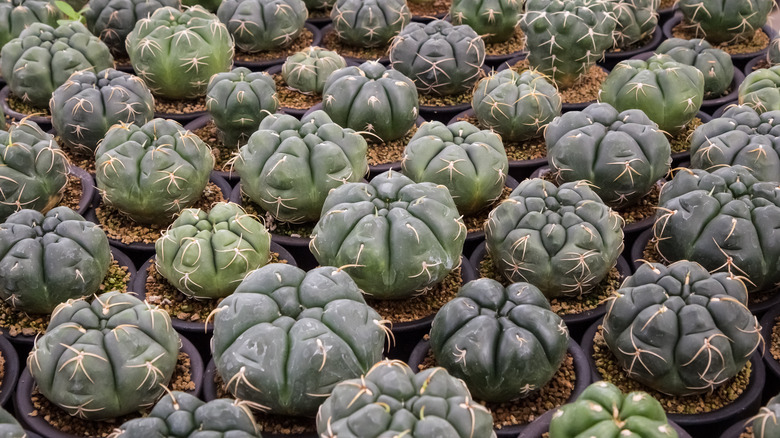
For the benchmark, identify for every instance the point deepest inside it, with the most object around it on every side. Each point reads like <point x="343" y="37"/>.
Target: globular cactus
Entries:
<point x="566" y="37"/>
<point x="761" y="90"/>
<point x="714" y="64"/>
<point x="517" y="106"/>
<point x="765" y="423"/>
<point x="17" y="15"/>
<point x="440" y="58"/>
<point x="563" y="240"/>
<point x="505" y="343"/>
<point x="621" y="155"/>
<point x="9" y="427"/>
<point x="390" y="400"/>
<point x="470" y="162"/>
<point x="48" y="259"/>
<point x="679" y="329"/>
<point x="369" y="23"/>
<point x="720" y="21"/>
<point x="370" y="98"/>
<point x="603" y="410"/>
<point x="319" y="5"/>
<point x="88" y="104"/>
<point x="286" y="337"/>
<point x="363" y="225"/>
<point x="152" y="172"/>
<point x="670" y="93"/>
<point x="773" y="54"/>
<point x="263" y="25"/>
<point x="238" y="101"/>
<point x="105" y="359"/>
<point x="495" y="20"/>
<point x="176" y="52"/>
<point x="43" y="57"/>
<point x="289" y="166"/>
<point x="636" y="20"/>
<point x="308" y="70"/>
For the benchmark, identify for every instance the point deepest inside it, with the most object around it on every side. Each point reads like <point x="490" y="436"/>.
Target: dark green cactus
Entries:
<point x="621" y="155"/>
<point x="113" y="20"/>
<point x="88" y="104"/>
<point x="563" y="240"/>
<point x="714" y="64"/>
<point x="289" y="166"/>
<point x="381" y="103"/>
<point x="42" y="58"/>
<point x="286" y="337"/>
<point x="9" y="427"/>
<point x="152" y="172"/>
<point x="495" y="20"/>
<point x="721" y="21"/>
<point x="17" y="15"/>
<point x="307" y="70"/>
<point x="679" y="329"/>
<point x="209" y="5"/>
<point x="369" y="23"/>
<point x="471" y="163"/>
<point x="263" y="25"/>
<point x="319" y="5"/>
<point x="765" y="423"/>
<point x="238" y="101"/>
<point x="761" y="90"/>
<point x="603" y="411"/>
<point x="363" y="226"/>
<point x="773" y="54"/>
<point x="105" y="359"/>
<point x="636" y="20"/>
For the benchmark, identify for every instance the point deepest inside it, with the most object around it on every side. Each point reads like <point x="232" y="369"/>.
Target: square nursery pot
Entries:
<point x="44" y="122"/>
<point x="10" y="371"/>
<point x="264" y="64"/>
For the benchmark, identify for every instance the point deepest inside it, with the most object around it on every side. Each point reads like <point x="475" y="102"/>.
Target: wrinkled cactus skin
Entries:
<point x="721" y="21"/>
<point x="152" y="172"/>
<point x="113" y="20"/>
<point x="105" y="359"/>
<point x="9" y="427"/>
<point x="679" y="329"/>
<point x="761" y="90"/>
<point x="715" y="64"/>
<point x="88" y="104"/>
<point x="604" y="411"/>
<point x="393" y="236"/>
<point x="286" y="336"/>
<point x="308" y="70"/>
<point x="773" y="54"/>
<point x="765" y="424"/>
<point x="495" y="20"/>
<point x="621" y="155"/>
<point x="369" y="23"/>
<point x="263" y="25"/>
<point x="636" y="20"/>
<point x="563" y="240"/>
<point x="390" y="400"/>
<point x="17" y="15"/>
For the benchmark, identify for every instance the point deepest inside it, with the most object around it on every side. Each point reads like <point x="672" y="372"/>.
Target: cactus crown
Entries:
<point x="761" y="90"/>
<point x="715" y="64"/>
<point x="369" y="23"/>
<point x="17" y="15"/>
<point x="636" y="20"/>
<point x="773" y="54"/>
<point x="262" y="25"/>
<point x="720" y="21"/>
<point x="765" y="423"/>
<point x="308" y="70"/>
<point x="495" y="21"/>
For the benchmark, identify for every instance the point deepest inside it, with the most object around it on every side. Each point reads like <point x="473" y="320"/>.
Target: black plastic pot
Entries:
<point x="752" y="65"/>
<point x="474" y="238"/>
<point x="230" y="177"/>
<point x="666" y="14"/>
<point x="44" y="122"/>
<point x="319" y="22"/>
<point x="87" y="188"/>
<point x="10" y="371"/>
<point x="262" y="65"/>
<point x="611" y="58"/>
<point x="772" y="365"/>
<point x="737" y="429"/>
<point x="329" y="28"/>
<point x="541" y="425"/>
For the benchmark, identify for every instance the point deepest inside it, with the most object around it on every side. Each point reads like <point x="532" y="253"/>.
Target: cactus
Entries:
<point x="517" y="106"/>
<point x="471" y="163"/>
<point x="495" y="20"/>
<point x="636" y="20"/>
<point x="289" y="166"/>
<point x="761" y="90"/>
<point x="369" y="23"/>
<point x="603" y="410"/>
<point x="209" y="5"/>
<point x="679" y="329"/>
<point x="176" y="52"/>
<point x="9" y="427"/>
<point x="306" y="71"/>
<point x="390" y="401"/>
<point x="42" y="58"/>
<point x="773" y="54"/>
<point x="319" y="5"/>
<point x="765" y="424"/>
<point x="88" y="104"/>
<point x="363" y="226"/>
<point x="670" y="93"/>
<point x="563" y="240"/>
<point x="152" y="172"/>
<point x="621" y="155"/>
<point x="104" y="359"/>
<point x="381" y="103"/>
<point x="263" y="25"/>
<point x="238" y="101"/>
<point x="285" y="337"/>
<point x="440" y="58"/>
<point x="17" y="15"/>
<point x="714" y="64"/>
<point x="721" y="21"/>
<point x="113" y="20"/>
<point x="505" y="343"/>
<point x="566" y="37"/>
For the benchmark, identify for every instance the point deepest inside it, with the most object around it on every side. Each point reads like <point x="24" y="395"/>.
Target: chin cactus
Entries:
<point x="721" y="21"/>
<point x="9" y="427"/>
<point x="563" y="240"/>
<point x="636" y="20"/>
<point x="714" y="64"/>
<point x="308" y="70"/>
<point x="495" y="20"/>
<point x="369" y="23"/>
<point x="106" y="358"/>
<point x="765" y="423"/>
<point x="152" y="172"/>
<point x="18" y="15"/>
<point x="113" y="20"/>
<point x="286" y="337"/>
<point x="761" y="90"/>
<point x="773" y="54"/>
<point x="621" y="155"/>
<point x="263" y="25"/>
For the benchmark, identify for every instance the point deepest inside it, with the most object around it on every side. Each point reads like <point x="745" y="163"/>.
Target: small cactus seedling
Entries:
<point x="263" y="25"/>
<point x="766" y="424"/>
<point x="773" y="54"/>
<point x="308" y="70"/>
<point x="761" y="90"/>
<point x="636" y="20"/>
<point x="18" y="15"/>
<point x="720" y="21"/>
<point x="9" y="427"/>
<point x="715" y="64"/>
<point x="113" y="20"/>
<point x="369" y="23"/>
<point x="495" y="20"/>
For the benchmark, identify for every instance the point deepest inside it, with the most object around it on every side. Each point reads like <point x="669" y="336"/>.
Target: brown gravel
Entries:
<point x="179" y="106"/>
<point x="20" y="106"/>
<point x="762" y="63"/>
<point x="748" y="433"/>
<point x="452" y="100"/>
<point x="512" y="45"/>
<point x="429" y="8"/>
<point x="586" y="90"/>
<point x="73" y="193"/>
<point x="528" y="150"/>
<point x="123" y="61"/>
<point x="222" y="155"/>
<point x="666" y="4"/>
<point x="319" y="13"/>
<point x="80" y="159"/>
<point x="290" y="98"/>
<point x="774" y="347"/>
<point x="332" y="42"/>
<point x="303" y="41"/>
<point x="757" y="42"/>
<point x="388" y="152"/>
<point x="681" y="142"/>
<point x="272" y="225"/>
<point x="476" y="221"/>
<point x="637" y="45"/>
<point x="2" y="368"/>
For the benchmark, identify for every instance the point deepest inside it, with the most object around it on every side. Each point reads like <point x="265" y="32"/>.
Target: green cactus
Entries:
<point x="714" y="64"/>
<point x="604" y="411"/>
<point x="286" y="337"/>
<point x="289" y="166"/>
<point x="88" y="104"/>
<point x="765" y="423"/>
<point x="471" y="163"/>
<point x="9" y="427"/>
<point x="566" y="37"/>
<point x="636" y="20"/>
<point x="773" y="54"/>
<point x="621" y="155"/>
<point x="380" y="103"/>
<point x="263" y="25"/>
<point x="319" y="5"/>
<point x="363" y="225"/>
<point x="391" y="401"/>
<point x="670" y="93"/>
<point x="306" y="71"/>
<point x="238" y="101"/>
<point x="105" y="359"/>
<point x="761" y="90"/>
<point x="563" y="240"/>
<point x="17" y="15"/>
<point x="176" y="52"/>
<point x="42" y="58"/>
<point x="369" y="23"/>
<point x="517" y="106"/>
<point x="152" y="172"/>
<point x="3" y="124"/>
<point x="721" y="21"/>
<point x="113" y="20"/>
<point x="209" y="5"/>
<point x="495" y="20"/>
